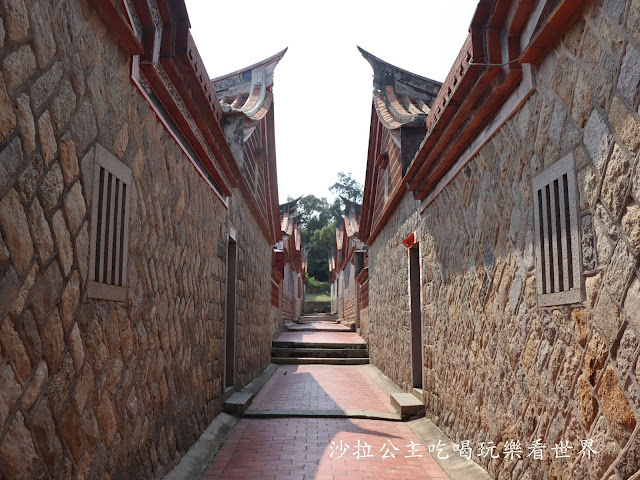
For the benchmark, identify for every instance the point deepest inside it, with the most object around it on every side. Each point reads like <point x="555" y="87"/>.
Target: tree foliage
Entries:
<point x="348" y="187"/>
<point x="315" y="212"/>
<point x="318" y="223"/>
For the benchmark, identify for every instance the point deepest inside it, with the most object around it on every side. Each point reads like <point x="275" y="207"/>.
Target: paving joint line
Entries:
<point x="337" y="413"/>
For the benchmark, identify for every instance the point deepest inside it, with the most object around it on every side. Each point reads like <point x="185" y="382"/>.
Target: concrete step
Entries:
<point x="319" y="352"/>
<point x="407" y="405"/>
<point x="331" y="327"/>
<point x="319" y="361"/>
<point x="285" y="344"/>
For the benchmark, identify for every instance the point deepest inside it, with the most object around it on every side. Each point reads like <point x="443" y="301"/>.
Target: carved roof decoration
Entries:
<point x="400" y="97"/>
<point x="288" y="218"/>
<point x="248" y="91"/>
<point x="339" y="233"/>
<point x="332" y="261"/>
<point x="352" y="217"/>
<point x="298" y="232"/>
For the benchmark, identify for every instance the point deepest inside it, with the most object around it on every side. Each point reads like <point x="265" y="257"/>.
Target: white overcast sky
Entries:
<point x="322" y="86"/>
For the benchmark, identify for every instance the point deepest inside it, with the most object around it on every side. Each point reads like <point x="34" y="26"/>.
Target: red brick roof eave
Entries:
<point x="179" y="58"/>
<point x="173" y="110"/>
<point x="270" y="226"/>
<point x="207" y="119"/>
<point x="370" y="183"/>
<point x="115" y="14"/>
<point x="363" y="276"/>
<point x="431" y="161"/>
<point x="273" y="179"/>
<point x="467" y="88"/>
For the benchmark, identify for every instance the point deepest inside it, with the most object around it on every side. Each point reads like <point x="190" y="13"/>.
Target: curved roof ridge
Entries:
<point x="398" y="92"/>
<point x="273" y="58"/>
<point x="423" y="83"/>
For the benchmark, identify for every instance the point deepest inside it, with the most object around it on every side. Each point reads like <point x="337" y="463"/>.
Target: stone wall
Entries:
<point x="389" y="315"/>
<point x="350" y="309"/>
<point x="254" y="328"/>
<point x="334" y="296"/>
<point x="288" y="309"/>
<point x="94" y="388"/>
<point x="363" y="307"/>
<point x="498" y="367"/>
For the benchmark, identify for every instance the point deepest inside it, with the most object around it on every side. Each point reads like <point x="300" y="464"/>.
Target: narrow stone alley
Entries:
<point x="485" y="280"/>
<point x="326" y="421"/>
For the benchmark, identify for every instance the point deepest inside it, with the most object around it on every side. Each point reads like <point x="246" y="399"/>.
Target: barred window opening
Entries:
<point x="557" y="244"/>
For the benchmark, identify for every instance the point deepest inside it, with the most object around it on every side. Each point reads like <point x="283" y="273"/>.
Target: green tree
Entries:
<point x="318" y="226"/>
<point x="348" y="187"/>
<point x="315" y="213"/>
<point x="320" y="243"/>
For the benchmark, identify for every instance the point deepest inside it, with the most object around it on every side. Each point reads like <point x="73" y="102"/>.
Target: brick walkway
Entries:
<point x="303" y="447"/>
<point x="321" y="387"/>
<point x="322" y="449"/>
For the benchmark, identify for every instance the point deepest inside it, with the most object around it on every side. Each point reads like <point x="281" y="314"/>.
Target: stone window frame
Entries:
<point x="107" y="244"/>
<point x="557" y="237"/>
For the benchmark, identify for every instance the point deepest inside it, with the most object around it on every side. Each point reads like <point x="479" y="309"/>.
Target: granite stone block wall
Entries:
<point x="254" y="326"/>
<point x="350" y="309"/>
<point x="497" y="366"/>
<point x="94" y="388"/>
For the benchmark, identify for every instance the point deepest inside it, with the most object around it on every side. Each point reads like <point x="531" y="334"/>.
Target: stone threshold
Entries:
<point x="362" y="414"/>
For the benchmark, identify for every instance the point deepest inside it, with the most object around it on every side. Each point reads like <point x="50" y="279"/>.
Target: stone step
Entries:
<point x="319" y="352"/>
<point x="418" y="393"/>
<point x="332" y="327"/>
<point x="406" y="404"/>
<point x="319" y="361"/>
<point x="238" y="402"/>
<point x="326" y="345"/>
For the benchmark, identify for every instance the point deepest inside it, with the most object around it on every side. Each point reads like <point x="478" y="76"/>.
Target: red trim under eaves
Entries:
<point x="516" y="99"/>
<point x="117" y="20"/>
<point x="495" y="35"/>
<point x="556" y="24"/>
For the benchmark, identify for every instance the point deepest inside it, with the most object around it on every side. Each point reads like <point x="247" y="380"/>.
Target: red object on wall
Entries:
<point x="409" y="241"/>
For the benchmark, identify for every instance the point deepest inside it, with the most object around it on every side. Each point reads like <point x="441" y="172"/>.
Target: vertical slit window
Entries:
<point x="109" y="230"/>
<point x="556" y="236"/>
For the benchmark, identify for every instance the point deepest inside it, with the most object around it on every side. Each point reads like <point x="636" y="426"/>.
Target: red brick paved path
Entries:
<point x="302" y="448"/>
<point x="322" y="448"/>
<point x="321" y="387"/>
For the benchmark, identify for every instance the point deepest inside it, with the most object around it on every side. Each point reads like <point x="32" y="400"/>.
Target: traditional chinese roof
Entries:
<point x="332" y="261"/>
<point x="288" y="217"/>
<point x="248" y="91"/>
<point x="339" y="233"/>
<point x="298" y="233"/>
<point x="352" y="217"/>
<point x="400" y="97"/>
